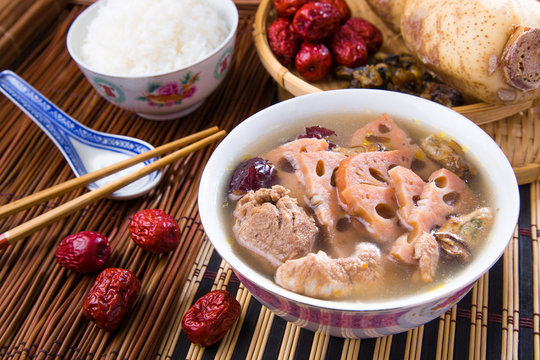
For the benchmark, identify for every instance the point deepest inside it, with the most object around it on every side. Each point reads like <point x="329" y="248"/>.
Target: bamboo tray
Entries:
<point x="515" y="133"/>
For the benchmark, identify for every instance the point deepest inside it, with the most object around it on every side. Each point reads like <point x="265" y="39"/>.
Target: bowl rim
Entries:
<point x="92" y="9"/>
<point x="206" y="200"/>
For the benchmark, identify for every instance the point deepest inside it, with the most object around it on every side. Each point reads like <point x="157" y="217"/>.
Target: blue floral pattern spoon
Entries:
<point x="84" y="149"/>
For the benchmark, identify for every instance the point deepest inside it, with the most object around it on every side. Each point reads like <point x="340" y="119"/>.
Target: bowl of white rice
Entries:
<point x="157" y="58"/>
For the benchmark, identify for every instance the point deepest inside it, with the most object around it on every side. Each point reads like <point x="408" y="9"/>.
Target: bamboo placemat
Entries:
<point x="40" y="302"/>
<point x="498" y="319"/>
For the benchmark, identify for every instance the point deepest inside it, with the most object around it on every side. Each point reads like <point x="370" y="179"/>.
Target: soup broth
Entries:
<point x="399" y="277"/>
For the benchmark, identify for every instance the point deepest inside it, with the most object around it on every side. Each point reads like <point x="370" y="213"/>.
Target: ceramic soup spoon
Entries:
<point x="85" y="150"/>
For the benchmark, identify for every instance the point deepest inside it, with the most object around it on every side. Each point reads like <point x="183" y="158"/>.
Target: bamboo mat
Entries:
<point x="40" y="302"/>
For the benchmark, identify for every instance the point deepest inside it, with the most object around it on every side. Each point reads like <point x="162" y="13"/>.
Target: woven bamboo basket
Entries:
<point x="514" y="127"/>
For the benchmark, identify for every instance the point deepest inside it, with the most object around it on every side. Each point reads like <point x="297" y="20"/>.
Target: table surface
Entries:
<point x="498" y="318"/>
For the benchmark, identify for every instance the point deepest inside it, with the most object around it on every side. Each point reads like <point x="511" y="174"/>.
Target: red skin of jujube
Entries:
<point x="84" y="252"/>
<point x="348" y="48"/>
<point x="315" y="21"/>
<point x="155" y="231"/>
<point x="111" y="296"/>
<point x="313" y="61"/>
<point x="251" y="174"/>
<point x="287" y="8"/>
<point x="342" y="8"/>
<point x="209" y="319"/>
<point x="283" y="41"/>
<point x="372" y="36"/>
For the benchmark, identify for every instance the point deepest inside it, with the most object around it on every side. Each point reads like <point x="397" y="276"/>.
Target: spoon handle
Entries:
<point x="54" y="122"/>
<point x="75" y="183"/>
<point x="21" y="231"/>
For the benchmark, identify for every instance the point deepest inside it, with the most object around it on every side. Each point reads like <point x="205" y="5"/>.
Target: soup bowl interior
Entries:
<point x="163" y="95"/>
<point x="357" y="318"/>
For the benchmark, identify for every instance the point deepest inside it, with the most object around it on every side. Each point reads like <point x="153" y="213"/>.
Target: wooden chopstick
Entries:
<point x="57" y="190"/>
<point x="17" y="233"/>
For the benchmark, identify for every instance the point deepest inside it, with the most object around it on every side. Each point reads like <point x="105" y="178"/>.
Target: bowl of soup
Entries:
<point x="358" y="213"/>
<point x="159" y="59"/>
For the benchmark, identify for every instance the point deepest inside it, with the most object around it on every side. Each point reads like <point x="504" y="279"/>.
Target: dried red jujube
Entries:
<point x="154" y="230"/>
<point x="316" y="132"/>
<point x="348" y="48"/>
<point x="287" y="8"/>
<point x="372" y="36"/>
<point x="342" y="8"/>
<point x="313" y="61"/>
<point x="251" y="174"/>
<point x="84" y="252"/>
<point x="316" y="20"/>
<point x="210" y="317"/>
<point x="113" y="293"/>
<point x="283" y="41"/>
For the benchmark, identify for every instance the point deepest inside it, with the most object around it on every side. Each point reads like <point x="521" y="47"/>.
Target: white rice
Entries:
<point x="141" y="37"/>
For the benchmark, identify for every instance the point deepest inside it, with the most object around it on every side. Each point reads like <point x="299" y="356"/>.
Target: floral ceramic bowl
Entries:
<point x="359" y="318"/>
<point x="160" y="96"/>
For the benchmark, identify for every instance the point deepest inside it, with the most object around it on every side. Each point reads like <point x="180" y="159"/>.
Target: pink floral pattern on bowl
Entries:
<point x="353" y="324"/>
<point x="170" y="93"/>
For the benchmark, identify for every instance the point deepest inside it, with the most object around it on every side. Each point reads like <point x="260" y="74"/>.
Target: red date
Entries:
<point x="348" y="48"/>
<point x="313" y="61"/>
<point x="155" y="231"/>
<point x="283" y="41"/>
<point x="84" y="252"/>
<point x="341" y="7"/>
<point x="111" y="296"/>
<point x="209" y="319"/>
<point x="372" y="36"/>
<point x="316" y="132"/>
<point x="287" y="8"/>
<point x="251" y="174"/>
<point x="316" y="20"/>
